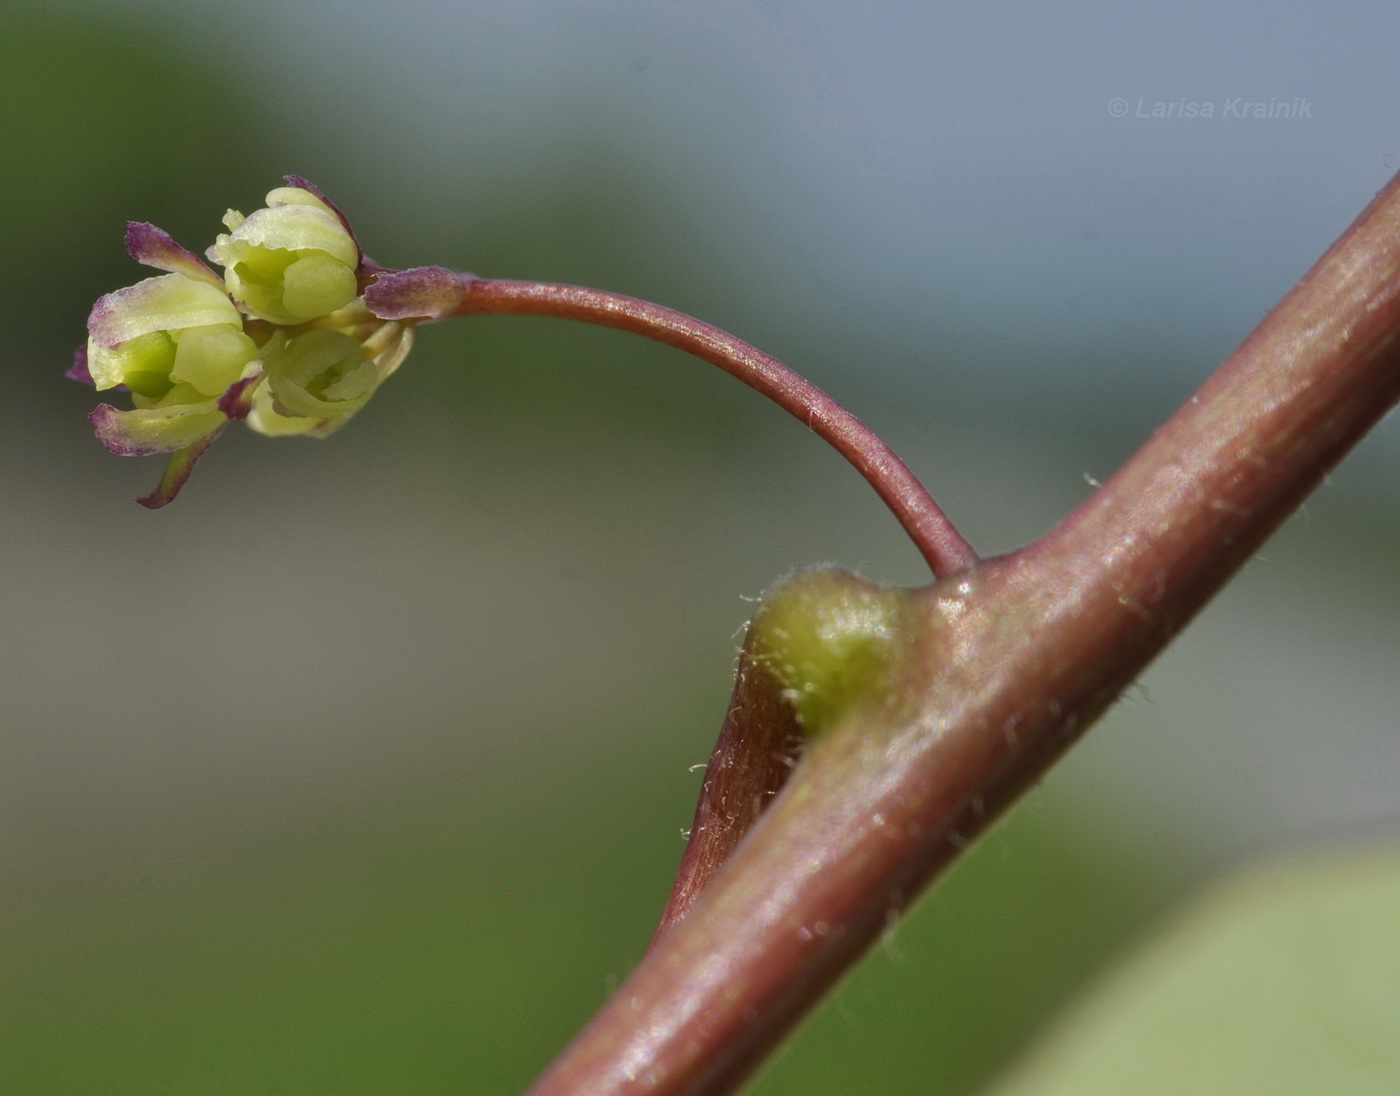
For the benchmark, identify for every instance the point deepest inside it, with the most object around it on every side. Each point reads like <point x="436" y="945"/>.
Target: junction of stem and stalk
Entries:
<point x="1001" y="664"/>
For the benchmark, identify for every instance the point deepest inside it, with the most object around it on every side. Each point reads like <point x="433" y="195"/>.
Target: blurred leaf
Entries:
<point x="1285" y="981"/>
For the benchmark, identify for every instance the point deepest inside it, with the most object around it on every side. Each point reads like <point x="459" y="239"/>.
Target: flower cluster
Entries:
<point x="294" y="338"/>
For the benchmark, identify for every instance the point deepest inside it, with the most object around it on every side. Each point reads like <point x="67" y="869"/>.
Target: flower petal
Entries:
<point x="150" y="430"/>
<point x="177" y="471"/>
<point x="297" y="226"/>
<point x="424" y="292"/>
<point x="319" y="374"/>
<point x="264" y="418"/>
<point x="152" y="246"/>
<point x="290" y="262"/>
<point x="212" y="358"/>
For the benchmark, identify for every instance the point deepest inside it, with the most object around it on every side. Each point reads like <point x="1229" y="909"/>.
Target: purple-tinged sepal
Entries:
<point x="150" y="430"/>
<point x="78" y="371"/>
<point x="317" y="193"/>
<point x="169" y="303"/>
<point x="237" y="402"/>
<point x="422" y="293"/>
<point x="152" y="246"/>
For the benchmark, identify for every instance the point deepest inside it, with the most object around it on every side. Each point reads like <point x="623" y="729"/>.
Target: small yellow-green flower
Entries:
<point x="176" y="342"/>
<point x="167" y="337"/>
<point x="320" y="375"/>
<point x="283" y="339"/>
<point x="315" y="381"/>
<point x="290" y="262"/>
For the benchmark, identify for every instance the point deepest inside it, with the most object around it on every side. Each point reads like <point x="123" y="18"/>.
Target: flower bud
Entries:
<point x="830" y="639"/>
<point x="290" y="262"/>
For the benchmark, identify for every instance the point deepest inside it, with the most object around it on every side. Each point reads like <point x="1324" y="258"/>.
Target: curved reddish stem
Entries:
<point x="932" y="533"/>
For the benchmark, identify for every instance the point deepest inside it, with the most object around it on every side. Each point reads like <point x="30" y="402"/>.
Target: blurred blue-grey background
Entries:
<point x="363" y="768"/>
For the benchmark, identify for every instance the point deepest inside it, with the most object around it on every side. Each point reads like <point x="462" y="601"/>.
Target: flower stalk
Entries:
<point x="937" y="539"/>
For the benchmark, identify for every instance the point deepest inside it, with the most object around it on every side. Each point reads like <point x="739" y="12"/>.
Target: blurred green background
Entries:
<point x="363" y="768"/>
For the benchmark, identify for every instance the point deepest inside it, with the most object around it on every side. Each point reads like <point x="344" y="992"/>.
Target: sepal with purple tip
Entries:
<point x="154" y="247"/>
<point x="169" y="302"/>
<point x="238" y="400"/>
<point x="317" y="193"/>
<point x="144" y="432"/>
<point x="78" y="371"/>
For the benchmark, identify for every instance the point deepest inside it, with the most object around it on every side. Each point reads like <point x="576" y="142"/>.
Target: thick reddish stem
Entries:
<point x="1014" y="660"/>
<point x="935" y="536"/>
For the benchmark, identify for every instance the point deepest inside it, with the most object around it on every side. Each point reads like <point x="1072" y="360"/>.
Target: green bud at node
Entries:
<point x="830" y="638"/>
